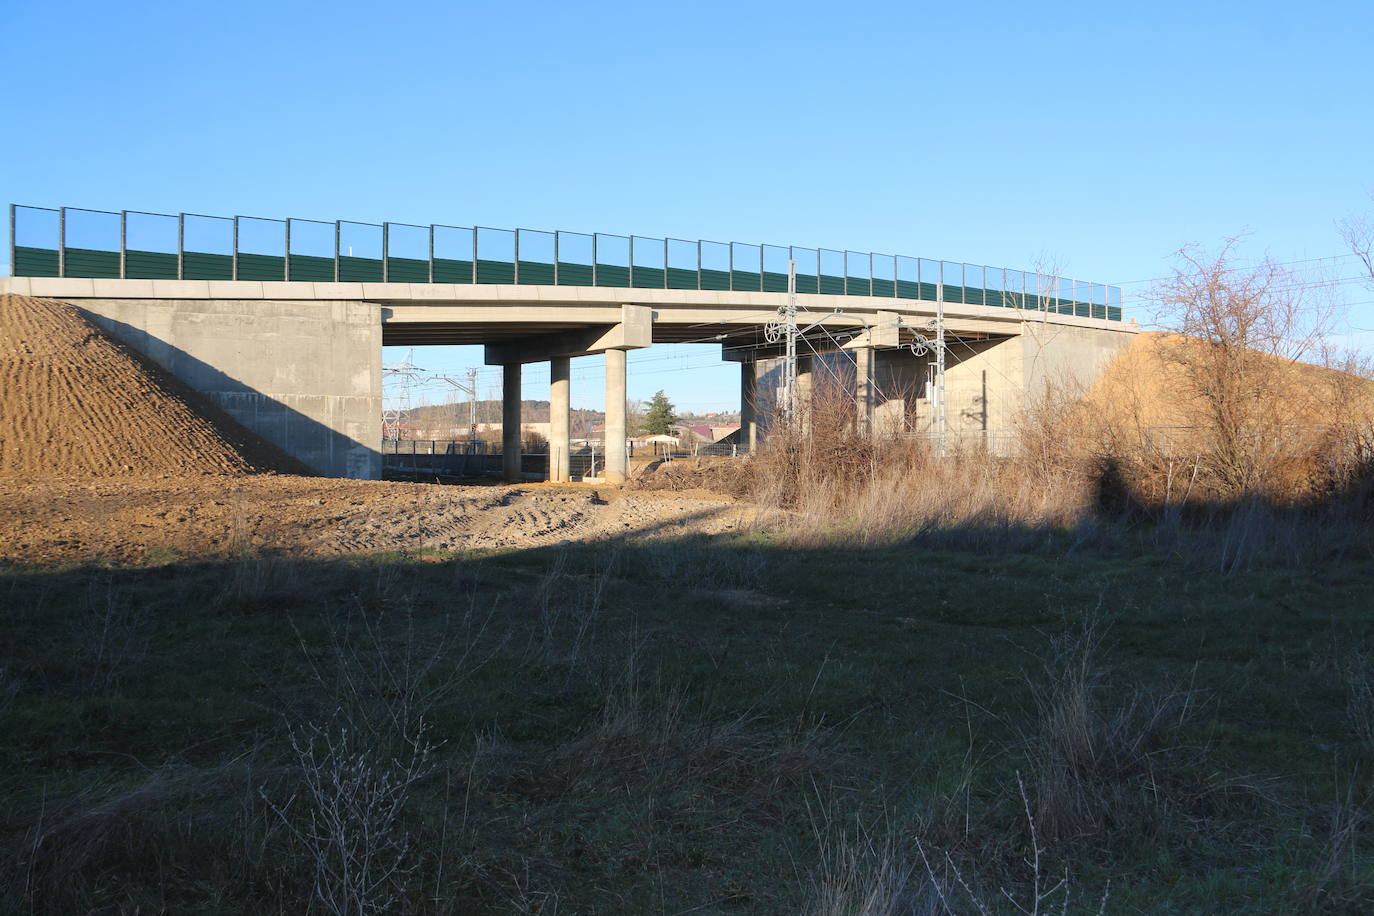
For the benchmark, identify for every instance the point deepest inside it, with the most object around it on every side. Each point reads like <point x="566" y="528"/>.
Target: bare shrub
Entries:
<point x="354" y="800"/>
<point x="1246" y="330"/>
<point x="1046" y="892"/>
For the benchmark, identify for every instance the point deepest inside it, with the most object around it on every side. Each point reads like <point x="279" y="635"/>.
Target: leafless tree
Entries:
<point x="1245" y="329"/>
<point x="1358" y="234"/>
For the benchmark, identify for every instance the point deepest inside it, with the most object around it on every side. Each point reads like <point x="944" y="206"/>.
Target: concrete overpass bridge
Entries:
<point x="282" y="322"/>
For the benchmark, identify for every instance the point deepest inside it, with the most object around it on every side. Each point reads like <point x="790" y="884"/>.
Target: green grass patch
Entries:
<point x="722" y="724"/>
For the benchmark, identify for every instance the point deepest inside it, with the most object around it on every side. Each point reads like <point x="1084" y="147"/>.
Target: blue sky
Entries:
<point x="1103" y="136"/>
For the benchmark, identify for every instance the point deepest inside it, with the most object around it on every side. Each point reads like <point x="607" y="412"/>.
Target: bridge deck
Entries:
<point x="414" y="314"/>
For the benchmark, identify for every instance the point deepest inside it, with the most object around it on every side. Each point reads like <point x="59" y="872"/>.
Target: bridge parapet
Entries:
<point x="70" y="242"/>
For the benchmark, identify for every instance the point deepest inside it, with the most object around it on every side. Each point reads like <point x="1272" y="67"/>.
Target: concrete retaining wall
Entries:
<point x="306" y="375"/>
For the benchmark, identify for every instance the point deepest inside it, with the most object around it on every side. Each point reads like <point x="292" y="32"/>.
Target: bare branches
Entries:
<point x="1244" y="329"/>
<point x="1358" y="234"/>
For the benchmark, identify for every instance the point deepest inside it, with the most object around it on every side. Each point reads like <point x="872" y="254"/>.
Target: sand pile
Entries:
<point x="1146" y="387"/>
<point x="75" y="402"/>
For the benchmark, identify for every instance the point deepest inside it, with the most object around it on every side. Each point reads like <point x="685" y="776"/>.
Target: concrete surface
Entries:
<point x="306" y="375"/>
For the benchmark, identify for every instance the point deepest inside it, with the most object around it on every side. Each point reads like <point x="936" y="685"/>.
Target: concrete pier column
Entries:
<point x="560" y="418"/>
<point x="748" y="405"/>
<point x="510" y="422"/>
<point x="805" y="389"/>
<point x="616" y="462"/>
<point x="863" y="388"/>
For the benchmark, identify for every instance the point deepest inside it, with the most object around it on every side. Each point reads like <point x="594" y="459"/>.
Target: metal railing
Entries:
<point x="133" y="244"/>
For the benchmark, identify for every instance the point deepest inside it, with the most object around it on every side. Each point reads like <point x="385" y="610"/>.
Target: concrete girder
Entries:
<point x="633" y="331"/>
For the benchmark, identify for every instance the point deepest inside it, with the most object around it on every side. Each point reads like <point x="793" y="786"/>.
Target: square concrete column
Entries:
<point x="560" y="418"/>
<point x="617" y="466"/>
<point x="748" y="405"/>
<point x="863" y="388"/>
<point x="510" y="422"/>
<point x="805" y="389"/>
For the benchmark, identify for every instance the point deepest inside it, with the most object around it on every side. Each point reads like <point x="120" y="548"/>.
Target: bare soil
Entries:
<point x="139" y="519"/>
<point x="105" y="456"/>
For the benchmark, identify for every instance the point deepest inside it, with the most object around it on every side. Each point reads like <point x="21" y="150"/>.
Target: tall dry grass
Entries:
<point x="1066" y="476"/>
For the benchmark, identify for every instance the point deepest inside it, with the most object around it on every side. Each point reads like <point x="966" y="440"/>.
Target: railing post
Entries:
<point x="62" y="242"/>
<point x="13" y="245"/>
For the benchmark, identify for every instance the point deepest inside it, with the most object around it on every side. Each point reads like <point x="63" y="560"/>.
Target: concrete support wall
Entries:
<point x="983" y="385"/>
<point x="1067" y="357"/>
<point x="305" y="375"/>
<point x="616" y="461"/>
<point x="560" y="418"/>
<point x="863" y="388"/>
<point x="510" y="422"/>
<point x="749" y="405"/>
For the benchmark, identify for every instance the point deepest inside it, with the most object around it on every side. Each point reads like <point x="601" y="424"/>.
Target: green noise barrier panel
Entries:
<point x="574" y="274"/>
<point x="746" y="281"/>
<point x="854" y="286"/>
<point x="648" y="278"/>
<point x="884" y="288"/>
<point x="808" y="283"/>
<point x="35" y="262"/>
<point x="908" y="289"/>
<point x="536" y="273"/>
<point x="500" y="272"/>
<point x="450" y="270"/>
<point x="359" y="270"/>
<point x="92" y="262"/>
<point x="715" y="279"/>
<point x="831" y="285"/>
<point x="407" y="270"/>
<point x="774" y="282"/>
<point x="308" y="268"/>
<point x="261" y="267"/>
<point x="201" y="265"/>
<point x="681" y="278"/>
<point x="612" y="275"/>
<point x="150" y="265"/>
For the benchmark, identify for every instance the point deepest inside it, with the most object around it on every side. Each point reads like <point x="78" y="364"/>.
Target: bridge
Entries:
<point x="282" y="322"/>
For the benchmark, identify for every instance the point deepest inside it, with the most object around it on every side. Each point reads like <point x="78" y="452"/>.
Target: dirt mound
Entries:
<point x="74" y="402"/>
<point x="728" y="476"/>
<point x="1145" y="386"/>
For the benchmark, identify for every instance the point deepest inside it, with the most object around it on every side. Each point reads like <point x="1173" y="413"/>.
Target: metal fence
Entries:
<point x="132" y="244"/>
<point x="463" y="458"/>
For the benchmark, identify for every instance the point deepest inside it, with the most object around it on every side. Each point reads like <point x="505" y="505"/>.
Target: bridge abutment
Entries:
<point x="305" y="375"/>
